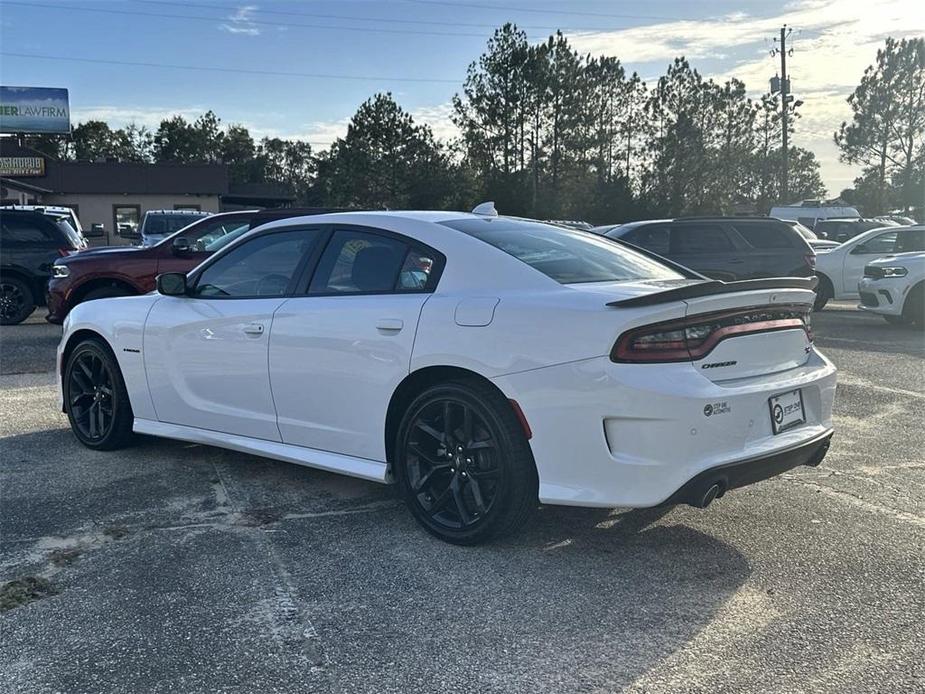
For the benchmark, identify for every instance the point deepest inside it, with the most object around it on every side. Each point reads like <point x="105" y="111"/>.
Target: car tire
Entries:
<point x="463" y="464"/>
<point x="914" y="307"/>
<point x="95" y="398"/>
<point x="16" y="301"/>
<point x="824" y="293"/>
<point x="106" y="293"/>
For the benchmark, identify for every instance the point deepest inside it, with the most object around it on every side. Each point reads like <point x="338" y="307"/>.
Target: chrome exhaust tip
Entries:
<point x="712" y="492"/>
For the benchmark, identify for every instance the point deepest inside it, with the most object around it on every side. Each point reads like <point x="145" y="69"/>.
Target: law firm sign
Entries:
<point x="34" y="110"/>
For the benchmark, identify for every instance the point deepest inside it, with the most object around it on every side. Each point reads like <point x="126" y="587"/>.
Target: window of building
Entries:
<point x="198" y="208"/>
<point x="126" y="218"/>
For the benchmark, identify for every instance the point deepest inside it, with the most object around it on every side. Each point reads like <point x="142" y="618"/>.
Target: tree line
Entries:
<point x="550" y="133"/>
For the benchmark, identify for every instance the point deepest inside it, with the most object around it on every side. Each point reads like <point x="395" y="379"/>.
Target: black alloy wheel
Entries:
<point x="96" y="401"/>
<point x="16" y="301"/>
<point x="464" y="464"/>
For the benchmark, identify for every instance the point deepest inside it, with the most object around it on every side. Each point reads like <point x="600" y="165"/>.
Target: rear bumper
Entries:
<point x="744" y="472"/>
<point x="632" y="435"/>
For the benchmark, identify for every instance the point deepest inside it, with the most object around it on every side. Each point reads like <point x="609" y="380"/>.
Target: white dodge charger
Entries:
<point x="481" y="363"/>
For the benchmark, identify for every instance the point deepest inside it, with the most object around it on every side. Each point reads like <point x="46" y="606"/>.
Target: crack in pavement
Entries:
<point x="859" y="501"/>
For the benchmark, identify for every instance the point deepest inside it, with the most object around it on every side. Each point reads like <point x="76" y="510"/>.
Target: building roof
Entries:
<point x="120" y="177"/>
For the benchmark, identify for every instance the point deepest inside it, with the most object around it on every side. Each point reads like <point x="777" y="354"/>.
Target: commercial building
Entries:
<point x="116" y="194"/>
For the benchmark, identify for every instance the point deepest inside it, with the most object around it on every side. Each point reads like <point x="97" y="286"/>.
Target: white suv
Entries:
<point x="894" y="286"/>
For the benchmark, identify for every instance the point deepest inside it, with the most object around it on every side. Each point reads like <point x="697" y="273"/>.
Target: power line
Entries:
<point x="237" y="71"/>
<point x="259" y="22"/>
<point x="534" y="10"/>
<point x="424" y="22"/>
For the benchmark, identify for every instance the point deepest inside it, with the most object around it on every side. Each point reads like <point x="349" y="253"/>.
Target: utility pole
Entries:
<point x="784" y="104"/>
<point x="784" y="112"/>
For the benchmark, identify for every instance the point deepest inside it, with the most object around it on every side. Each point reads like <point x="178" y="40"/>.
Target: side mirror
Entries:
<point x="96" y="231"/>
<point x="181" y="246"/>
<point x="171" y="284"/>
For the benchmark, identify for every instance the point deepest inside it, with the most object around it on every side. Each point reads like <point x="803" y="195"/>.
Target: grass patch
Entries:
<point x="22" y="591"/>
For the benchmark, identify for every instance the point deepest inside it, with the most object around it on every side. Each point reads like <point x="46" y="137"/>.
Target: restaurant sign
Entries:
<point x="22" y="166"/>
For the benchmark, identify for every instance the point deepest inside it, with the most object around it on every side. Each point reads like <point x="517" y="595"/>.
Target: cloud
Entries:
<point x="833" y="42"/>
<point x="120" y="116"/>
<point x="241" y="22"/>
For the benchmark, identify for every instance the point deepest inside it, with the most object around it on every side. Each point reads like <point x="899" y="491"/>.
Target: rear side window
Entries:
<point x="700" y="238"/>
<point x="359" y="262"/>
<point x="765" y="235"/>
<point x="911" y="240"/>
<point x="652" y="237"/>
<point x="565" y="255"/>
<point x="22" y="231"/>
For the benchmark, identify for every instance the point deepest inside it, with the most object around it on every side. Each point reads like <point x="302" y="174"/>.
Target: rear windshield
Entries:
<point x="567" y="256"/>
<point x="167" y="224"/>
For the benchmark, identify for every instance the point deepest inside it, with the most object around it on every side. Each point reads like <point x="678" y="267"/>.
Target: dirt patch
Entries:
<point x="22" y="591"/>
<point x="116" y="532"/>
<point x="258" y="517"/>
<point x="62" y="557"/>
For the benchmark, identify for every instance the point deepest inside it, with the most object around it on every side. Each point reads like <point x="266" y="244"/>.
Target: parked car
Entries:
<point x="30" y="242"/>
<point x="840" y="269"/>
<point x="480" y="363"/>
<point x="812" y="239"/>
<point x="52" y="211"/>
<point x="157" y="225"/>
<point x="902" y="220"/>
<point x="840" y="230"/>
<point x="809" y="212"/>
<point x="894" y="286"/>
<point x="724" y="248"/>
<point x="126" y="270"/>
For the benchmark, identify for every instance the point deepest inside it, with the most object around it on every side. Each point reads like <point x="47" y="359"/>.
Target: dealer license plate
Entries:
<point x="787" y="411"/>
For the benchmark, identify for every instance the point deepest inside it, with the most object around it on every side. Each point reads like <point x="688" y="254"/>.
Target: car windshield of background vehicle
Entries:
<point x="168" y="224"/>
<point x="216" y="236"/>
<point x="569" y="257"/>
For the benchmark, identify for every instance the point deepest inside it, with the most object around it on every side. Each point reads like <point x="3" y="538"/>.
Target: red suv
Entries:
<point x="123" y="271"/>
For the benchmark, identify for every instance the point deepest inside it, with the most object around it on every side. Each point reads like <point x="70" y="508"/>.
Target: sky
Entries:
<point x="300" y="68"/>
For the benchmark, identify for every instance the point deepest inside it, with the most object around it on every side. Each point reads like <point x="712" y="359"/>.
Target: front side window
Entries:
<point x="356" y="262"/>
<point x="261" y="267"/>
<point x="879" y="245"/>
<point x="565" y="255"/>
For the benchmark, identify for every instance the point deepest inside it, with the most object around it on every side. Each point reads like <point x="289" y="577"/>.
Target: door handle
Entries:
<point x="253" y="329"/>
<point x="390" y="324"/>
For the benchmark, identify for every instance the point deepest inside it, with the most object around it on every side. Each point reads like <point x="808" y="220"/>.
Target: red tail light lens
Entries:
<point x="694" y="337"/>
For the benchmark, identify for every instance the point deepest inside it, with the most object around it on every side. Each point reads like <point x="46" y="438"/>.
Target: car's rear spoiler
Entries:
<point x="711" y="287"/>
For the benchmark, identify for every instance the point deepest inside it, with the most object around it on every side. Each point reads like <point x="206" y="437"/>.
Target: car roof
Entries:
<point x="202" y="213"/>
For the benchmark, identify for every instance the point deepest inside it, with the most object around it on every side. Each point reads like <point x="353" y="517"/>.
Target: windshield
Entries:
<point x="217" y="243"/>
<point x="167" y="224"/>
<point x="72" y="234"/>
<point x="565" y="255"/>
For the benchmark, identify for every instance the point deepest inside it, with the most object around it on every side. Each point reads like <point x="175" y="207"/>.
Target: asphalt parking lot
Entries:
<point x="182" y="568"/>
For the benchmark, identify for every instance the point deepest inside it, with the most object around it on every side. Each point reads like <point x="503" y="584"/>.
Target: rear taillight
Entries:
<point x="810" y="259"/>
<point x="694" y="337"/>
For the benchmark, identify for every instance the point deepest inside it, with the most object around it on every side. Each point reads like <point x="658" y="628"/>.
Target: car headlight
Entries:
<point x="60" y="271"/>
<point x="894" y="271"/>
